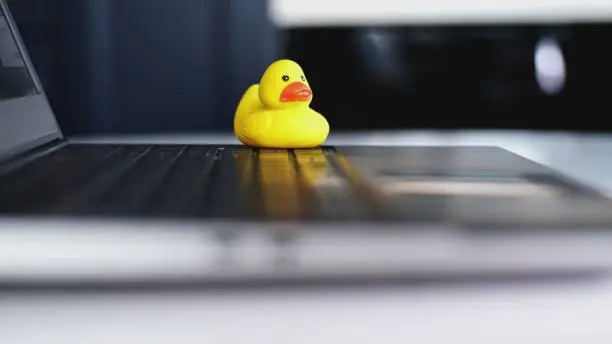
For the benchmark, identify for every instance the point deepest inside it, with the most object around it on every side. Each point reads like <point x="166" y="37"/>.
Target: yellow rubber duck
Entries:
<point x="276" y="112"/>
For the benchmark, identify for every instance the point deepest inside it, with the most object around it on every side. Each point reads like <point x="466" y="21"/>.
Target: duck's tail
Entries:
<point x="249" y="103"/>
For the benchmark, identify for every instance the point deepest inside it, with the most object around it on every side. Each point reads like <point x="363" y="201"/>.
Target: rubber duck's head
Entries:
<point x="284" y="85"/>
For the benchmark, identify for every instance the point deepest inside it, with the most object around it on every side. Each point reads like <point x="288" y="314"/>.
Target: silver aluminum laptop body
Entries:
<point x="194" y="215"/>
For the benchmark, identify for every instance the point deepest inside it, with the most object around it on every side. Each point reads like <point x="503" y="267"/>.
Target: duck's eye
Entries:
<point x="285" y="77"/>
<point x="303" y="78"/>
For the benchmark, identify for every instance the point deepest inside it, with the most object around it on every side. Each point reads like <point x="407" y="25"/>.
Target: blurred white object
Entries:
<point x="291" y="13"/>
<point x="555" y="313"/>
<point x="549" y="66"/>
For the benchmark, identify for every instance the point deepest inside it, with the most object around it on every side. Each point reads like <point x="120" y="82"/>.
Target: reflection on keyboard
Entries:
<point x="431" y="184"/>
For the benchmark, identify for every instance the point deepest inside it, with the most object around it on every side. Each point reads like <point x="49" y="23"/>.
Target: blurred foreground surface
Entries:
<point x="555" y="312"/>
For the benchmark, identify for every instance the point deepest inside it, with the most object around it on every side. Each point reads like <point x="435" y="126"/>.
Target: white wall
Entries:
<point x="291" y="13"/>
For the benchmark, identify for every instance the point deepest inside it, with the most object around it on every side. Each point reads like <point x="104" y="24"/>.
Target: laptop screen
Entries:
<point x="15" y="79"/>
<point x="26" y="119"/>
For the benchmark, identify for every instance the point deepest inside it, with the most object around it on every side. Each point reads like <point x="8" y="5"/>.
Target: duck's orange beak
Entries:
<point x="296" y="92"/>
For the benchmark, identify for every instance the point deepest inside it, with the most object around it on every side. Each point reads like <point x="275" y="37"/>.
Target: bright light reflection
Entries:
<point x="549" y="66"/>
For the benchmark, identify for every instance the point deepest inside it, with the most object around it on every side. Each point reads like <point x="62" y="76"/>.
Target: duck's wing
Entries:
<point x="249" y="103"/>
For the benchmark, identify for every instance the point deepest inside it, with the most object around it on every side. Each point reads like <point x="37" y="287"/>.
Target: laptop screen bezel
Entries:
<point x="25" y="122"/>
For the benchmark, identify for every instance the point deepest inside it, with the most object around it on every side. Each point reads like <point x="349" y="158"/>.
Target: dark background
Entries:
<point x="116" y="66"/>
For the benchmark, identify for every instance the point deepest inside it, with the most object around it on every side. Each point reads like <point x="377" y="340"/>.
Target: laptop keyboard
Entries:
<point x="423" y="184"/>
<point x="174" y="180"/>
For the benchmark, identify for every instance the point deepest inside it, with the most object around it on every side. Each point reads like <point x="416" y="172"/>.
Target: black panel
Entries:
<point x="457" y="76"/>
<point x="469" y="185"/>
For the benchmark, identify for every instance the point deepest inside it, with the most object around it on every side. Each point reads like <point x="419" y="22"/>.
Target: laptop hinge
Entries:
<point x="22" y="159"/>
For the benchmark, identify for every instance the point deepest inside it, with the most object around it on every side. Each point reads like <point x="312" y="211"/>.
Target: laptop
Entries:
<point x="75" y="214"/>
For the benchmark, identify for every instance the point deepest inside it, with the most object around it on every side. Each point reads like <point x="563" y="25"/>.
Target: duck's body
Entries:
<point x="282" y="128"/>
<point x="276" y="112"/>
